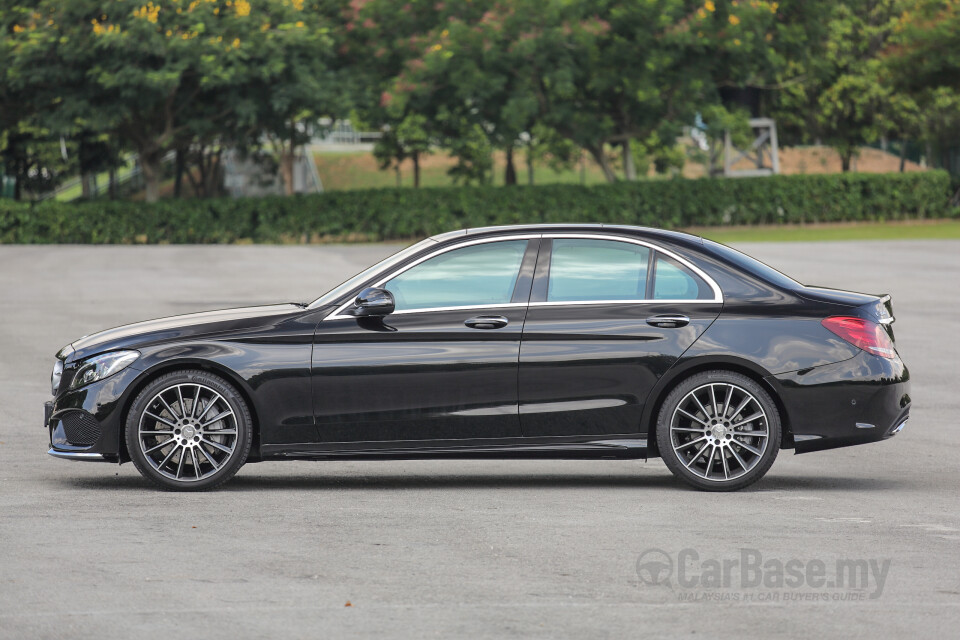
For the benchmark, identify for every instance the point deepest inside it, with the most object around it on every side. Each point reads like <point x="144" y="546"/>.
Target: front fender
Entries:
<point x="274" y="377"/>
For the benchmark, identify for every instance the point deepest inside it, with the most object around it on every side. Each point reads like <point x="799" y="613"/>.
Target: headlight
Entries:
<point x="56" y="375"/>
<point x="102" y="366"/>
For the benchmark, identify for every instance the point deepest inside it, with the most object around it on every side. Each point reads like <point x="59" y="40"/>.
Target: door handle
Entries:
<point x="486" y="322"/>
<point x="668" y="321"/>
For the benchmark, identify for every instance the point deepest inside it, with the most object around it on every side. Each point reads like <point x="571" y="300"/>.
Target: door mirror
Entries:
<point x="373" y="302"/>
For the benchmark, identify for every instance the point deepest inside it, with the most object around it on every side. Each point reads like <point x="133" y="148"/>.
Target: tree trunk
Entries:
<point x="112" y="184"/>
<point x="85" y="185"/>
<point x="510" y="172"/>
<point x="845" y="157"/>
<point x="629" y="169"/>
<point x="416" y="169"/>
<point x="151" y="167"/>
<point x="181" y="162"/>
<point x="955" y="200"/>
<point x="396" y="168"/>
<point x="529" y="167"/>
<point x="286" y="168"/>
<point x="903" y="155"/>
<point x="214" y="176"/>
<point x="597" y="152"/>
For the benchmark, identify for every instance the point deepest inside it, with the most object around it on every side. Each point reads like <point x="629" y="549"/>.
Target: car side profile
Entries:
<point x="537" y="341"/>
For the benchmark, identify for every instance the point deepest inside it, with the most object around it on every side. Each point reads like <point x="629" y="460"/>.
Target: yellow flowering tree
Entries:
<point x="159" y="75"/>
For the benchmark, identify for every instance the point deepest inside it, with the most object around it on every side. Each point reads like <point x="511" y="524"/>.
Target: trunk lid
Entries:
<point x="878" y="308"/>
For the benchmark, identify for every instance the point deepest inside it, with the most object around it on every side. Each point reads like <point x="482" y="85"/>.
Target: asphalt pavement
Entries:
<point x="498" y="549"/>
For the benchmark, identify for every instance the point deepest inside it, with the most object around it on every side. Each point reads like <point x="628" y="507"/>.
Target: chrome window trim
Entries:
<point x="381" y="278"/>
<point x="505" y="305"/>
<point x="564" y="303"/>
<point x="336" y="315"/>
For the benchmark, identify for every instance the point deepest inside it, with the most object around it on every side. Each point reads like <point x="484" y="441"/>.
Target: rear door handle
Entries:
<point x="486" y="322"/>
<point x="668" y="321"/>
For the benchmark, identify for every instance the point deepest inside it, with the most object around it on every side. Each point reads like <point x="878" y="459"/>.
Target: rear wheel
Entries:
<point x="718" y="431"/>
<point x="188" y="431"/>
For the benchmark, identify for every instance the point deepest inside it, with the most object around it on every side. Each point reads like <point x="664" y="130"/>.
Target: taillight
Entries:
<point x="867" y="335"/>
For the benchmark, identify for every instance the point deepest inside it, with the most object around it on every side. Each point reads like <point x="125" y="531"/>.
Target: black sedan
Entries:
<point x="559" y="341"/>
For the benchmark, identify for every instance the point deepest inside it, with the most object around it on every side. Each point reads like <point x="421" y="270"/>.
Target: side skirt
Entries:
<point x="628" y="447"/>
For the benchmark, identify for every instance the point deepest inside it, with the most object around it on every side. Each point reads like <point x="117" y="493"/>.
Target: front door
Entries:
<point x="606" y="319"/>
<point x="443" y="366"/>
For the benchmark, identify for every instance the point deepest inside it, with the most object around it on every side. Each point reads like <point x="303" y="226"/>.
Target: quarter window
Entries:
<point x="481" y="274"/>
<point x="595" y="270"/>
<point x="673" y="281"/>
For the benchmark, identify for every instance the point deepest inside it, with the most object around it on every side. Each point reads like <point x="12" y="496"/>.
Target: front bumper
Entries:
<point x="80" y="455"/>
<point x="85" y="423"/>
<point x="857" y="401"/>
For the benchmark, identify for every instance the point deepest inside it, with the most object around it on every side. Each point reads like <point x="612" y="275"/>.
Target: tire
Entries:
<point x="188" y="431"/>
<point x="718" y="431"/>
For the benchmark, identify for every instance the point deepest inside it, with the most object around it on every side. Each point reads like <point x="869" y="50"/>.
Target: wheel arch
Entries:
<point x="183" y="364"/>
<point x="681" y="371"/>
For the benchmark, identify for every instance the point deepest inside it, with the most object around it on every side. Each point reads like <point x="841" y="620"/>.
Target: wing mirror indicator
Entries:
<point x="373" y="302"/>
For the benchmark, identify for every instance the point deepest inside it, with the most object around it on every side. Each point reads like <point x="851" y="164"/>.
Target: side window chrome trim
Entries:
<point x="564" y="303"/>
<point x="336" y="315"/>
<point x="381" y="278"/>
<point x="505" y="305"/>
<point x="717" y="293"/>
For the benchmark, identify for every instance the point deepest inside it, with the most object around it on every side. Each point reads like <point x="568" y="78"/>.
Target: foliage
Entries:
<point x="838" y="94"/>
<point x="155" y="74"/>
<point x="923" y="61"/>
<point x="382" y="214"/>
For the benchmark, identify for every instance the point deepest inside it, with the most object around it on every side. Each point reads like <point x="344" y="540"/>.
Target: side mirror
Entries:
<point x="373" y="302"/>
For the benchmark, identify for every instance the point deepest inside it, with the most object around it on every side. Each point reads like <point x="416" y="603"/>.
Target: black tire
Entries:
<point x="693" y="425"/>
<point x="202" y="453"/>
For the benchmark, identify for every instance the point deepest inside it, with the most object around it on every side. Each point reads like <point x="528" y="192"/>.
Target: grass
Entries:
<point x="913" y="230"/>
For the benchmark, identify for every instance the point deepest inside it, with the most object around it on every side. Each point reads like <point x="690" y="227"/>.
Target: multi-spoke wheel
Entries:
<point x="718" y="431"/>
<point x="188" y="430"/>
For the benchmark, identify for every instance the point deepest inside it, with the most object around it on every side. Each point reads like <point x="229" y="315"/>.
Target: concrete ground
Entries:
<point x="467" y="549"/>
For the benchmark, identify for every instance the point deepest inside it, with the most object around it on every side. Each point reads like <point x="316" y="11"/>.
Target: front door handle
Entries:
<point x="486" y="322"/>
<point x="668" y="321"/>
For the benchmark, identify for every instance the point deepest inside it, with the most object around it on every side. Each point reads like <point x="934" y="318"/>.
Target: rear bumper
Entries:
<point x="861" y="400"/>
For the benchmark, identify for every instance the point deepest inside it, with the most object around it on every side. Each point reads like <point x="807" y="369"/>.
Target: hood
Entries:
<point x="131" y="336"/>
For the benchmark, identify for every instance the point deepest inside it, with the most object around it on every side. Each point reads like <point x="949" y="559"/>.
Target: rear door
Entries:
<point x="607" y="317"/>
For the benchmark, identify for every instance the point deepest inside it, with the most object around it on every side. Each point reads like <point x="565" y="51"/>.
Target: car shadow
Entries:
<point x="538" y="481"/>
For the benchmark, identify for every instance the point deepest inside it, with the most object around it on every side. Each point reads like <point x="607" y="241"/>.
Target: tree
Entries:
<point x="837" y="95"/>
<point x="606" y="74"/>
<point x="383" y="47"/>
<point x="154" y="74"/>
<point x="922" y="61"/>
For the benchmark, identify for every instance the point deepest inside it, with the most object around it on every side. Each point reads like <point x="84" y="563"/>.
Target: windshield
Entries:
<point x="752" y="265"/>
<point x="340" y="290"/>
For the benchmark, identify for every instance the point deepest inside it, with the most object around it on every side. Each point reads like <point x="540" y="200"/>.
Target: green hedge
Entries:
<point x="383" y="214"/>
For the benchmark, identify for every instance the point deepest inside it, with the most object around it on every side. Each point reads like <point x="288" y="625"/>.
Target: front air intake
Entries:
<point x="80" y="428"/>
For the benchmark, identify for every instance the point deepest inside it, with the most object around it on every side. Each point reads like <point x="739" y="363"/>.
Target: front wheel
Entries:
<point x="718" y="431"/>
<point x="188" y="431"/>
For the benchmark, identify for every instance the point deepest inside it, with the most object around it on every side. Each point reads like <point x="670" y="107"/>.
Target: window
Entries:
<point x="480" y="274"/>
<point x="752" y="265"/>
<point x="594" y="270"/>
<point x="673" y="281"/>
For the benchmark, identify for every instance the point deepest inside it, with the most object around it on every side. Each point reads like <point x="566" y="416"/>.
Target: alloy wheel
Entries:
<point x="188" y="432"/>
<point x="719" y="431"/>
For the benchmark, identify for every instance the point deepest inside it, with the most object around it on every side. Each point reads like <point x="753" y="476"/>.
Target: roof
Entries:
<point x="664" y="234"/>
